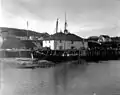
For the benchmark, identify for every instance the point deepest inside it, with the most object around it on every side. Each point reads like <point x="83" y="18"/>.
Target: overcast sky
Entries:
<point x="85" y="17"/>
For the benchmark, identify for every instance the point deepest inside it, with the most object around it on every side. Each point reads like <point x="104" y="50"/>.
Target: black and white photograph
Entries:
<point x="59" y="47"/>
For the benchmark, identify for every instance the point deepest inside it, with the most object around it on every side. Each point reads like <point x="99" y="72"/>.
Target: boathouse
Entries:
<point x="93" y="38"/>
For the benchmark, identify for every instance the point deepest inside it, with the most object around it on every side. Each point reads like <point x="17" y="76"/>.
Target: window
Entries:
<point x="72" y="42"/>
<point x="72" y="47"/>
<point x="60" y="41"/>
<point x="60" y="47"/>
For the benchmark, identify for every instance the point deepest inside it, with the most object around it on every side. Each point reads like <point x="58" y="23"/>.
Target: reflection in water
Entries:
<point x="64" y="79"/>
<point x="60" y="78"/>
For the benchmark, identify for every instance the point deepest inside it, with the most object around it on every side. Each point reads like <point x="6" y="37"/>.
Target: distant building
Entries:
<point x="98" y="41"/>
<point x="104" y="38"/>
<point x="93" y="42"/>
<point x="40" y="38"/>
<point x="115" y="39"/>
<point x="33" y="38"/>
<point x="93" y="38"/>
<point x="101" y="38"/>
<point x="22" y="38"/>
<point x="4" y="34"/>
<point x="62" y="41"/>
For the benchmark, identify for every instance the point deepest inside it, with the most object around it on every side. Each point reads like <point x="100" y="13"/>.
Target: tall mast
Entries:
<point x="65" y="27"/>
<point x="65" y="31"/>
<point x="27" y="25"/>
<point x="57" y="25"/>
<point x="65" y="22"/>
<point x="55" y="45"/>
<point x="27" y="28"/>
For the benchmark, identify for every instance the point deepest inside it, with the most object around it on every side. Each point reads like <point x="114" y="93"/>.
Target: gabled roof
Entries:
<point x="105" y="36"/>
<point x="93" y="38"/>
<point x="63" y="36"/>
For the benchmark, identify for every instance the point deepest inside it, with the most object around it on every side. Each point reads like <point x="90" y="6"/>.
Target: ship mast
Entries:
<point x="27" y="29"/>
<point x="57" y="25"/>
<point x="56" y="32"/>
<point x="65" y="27"/>
<point x="65" y="31"/>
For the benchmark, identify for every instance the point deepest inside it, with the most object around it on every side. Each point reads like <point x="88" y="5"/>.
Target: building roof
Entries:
<point x="93" y="38"/>
<point x="105" y="36"/>
<point x="63" y="36"/>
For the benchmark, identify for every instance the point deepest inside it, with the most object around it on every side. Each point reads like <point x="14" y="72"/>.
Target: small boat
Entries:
<point x="27" y="64"/>
<point x="35" y="64"/>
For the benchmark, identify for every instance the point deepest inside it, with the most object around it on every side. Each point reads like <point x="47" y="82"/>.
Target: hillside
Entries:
<point x="20" y="32"/>
<point x="12" y="42"/>
<point x="19" y="44"/>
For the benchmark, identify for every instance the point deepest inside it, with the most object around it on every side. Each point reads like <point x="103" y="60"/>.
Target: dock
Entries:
<point x="86" y="54"/>
<point x="93" y="54"/>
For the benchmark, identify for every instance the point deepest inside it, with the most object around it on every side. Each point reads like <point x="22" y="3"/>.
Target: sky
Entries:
<point x="84" y="17"/>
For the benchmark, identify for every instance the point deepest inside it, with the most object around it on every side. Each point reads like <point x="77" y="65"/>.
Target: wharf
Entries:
<point x="94" y="54"/>
<point x="86" y="54"/>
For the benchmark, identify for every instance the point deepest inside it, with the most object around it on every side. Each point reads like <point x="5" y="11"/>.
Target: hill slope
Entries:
<point x="12" y="42"/>
<point x="20" y="32"/>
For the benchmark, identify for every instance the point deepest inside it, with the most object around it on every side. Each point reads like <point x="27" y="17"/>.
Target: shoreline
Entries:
<point x="14" y="59"/>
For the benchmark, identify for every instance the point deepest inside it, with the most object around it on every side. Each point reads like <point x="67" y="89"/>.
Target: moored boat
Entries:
<point x="35" y="64"/>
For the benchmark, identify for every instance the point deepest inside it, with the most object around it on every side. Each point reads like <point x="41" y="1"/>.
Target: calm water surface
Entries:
<point x="102" y="78"/>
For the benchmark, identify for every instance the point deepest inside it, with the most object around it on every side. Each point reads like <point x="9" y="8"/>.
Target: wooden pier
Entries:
<point x="94" y="54"/>
<point x="86" y="54"/>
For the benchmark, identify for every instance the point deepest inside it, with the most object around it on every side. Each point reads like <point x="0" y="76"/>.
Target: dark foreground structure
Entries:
<point x="86" y="54"/>
<point x="66" y="55"/>
<point x="95" y="52"/>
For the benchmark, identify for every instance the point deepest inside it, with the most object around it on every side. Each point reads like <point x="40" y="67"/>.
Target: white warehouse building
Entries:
<point x="63" y="41"/>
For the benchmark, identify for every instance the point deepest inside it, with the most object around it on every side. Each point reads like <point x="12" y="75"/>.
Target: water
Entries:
<point x="102" y="78"/>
